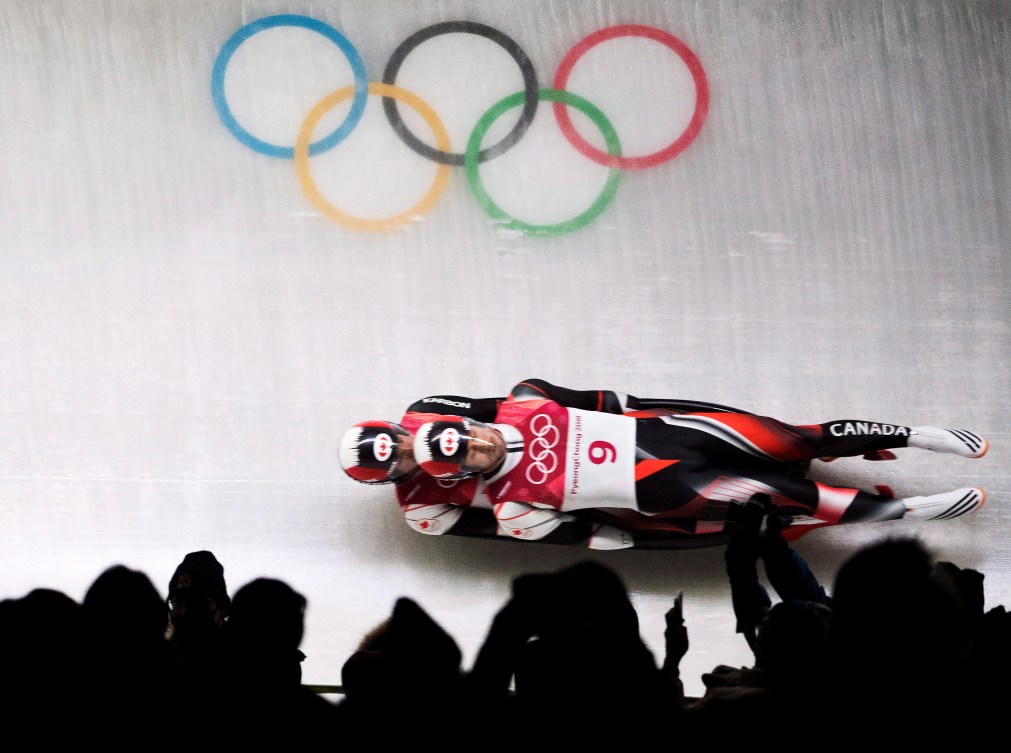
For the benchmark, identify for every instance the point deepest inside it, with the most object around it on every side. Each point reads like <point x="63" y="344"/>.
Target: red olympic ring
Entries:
<point x="658" y="157"/>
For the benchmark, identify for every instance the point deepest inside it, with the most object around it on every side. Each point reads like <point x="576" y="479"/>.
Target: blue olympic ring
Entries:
<point x="305" y="22"/>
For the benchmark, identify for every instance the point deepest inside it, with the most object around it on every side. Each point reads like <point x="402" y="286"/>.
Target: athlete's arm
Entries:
<point x="604" y="401"/>
<point x="528" y="523"/>
<point x="478" y="408"/>
<point x="668" y="406"/>
<point x="609" y="401"/>
<point x="441" y="518"/>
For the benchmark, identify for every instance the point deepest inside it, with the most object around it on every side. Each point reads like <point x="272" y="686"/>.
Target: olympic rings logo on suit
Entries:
<point x="546" y="436"/>
<point x="474" y="154"/>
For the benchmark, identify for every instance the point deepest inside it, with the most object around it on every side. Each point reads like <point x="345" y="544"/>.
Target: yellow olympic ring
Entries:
<point x="357" y="223"/>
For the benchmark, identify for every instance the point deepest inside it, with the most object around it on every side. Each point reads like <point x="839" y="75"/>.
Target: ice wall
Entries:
<point x="188" y="323"/>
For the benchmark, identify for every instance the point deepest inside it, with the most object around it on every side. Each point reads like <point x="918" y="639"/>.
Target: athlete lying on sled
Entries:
<point x="607" y="470"/>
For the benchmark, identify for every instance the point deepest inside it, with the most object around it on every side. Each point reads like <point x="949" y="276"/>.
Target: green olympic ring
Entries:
<point x="471" y="163"/>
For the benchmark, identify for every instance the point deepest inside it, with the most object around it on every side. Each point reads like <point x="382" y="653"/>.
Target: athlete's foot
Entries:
<point x="944" y="506"/>
<point x="968" y="444"/>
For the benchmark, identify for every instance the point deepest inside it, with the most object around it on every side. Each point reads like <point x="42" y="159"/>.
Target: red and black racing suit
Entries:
<point x="695" y="459"/>
<point x="722" y="455"/>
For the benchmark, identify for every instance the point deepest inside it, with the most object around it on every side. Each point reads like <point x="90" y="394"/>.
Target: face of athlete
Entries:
<point x="406" y="464"/>
<point x="486" y="449"/>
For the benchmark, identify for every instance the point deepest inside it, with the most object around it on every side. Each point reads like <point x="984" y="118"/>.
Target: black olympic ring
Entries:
<point x="467" y="27"/>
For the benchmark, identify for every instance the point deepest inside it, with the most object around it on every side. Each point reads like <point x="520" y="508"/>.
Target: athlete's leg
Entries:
<point x="717" y="489"/>
<point x="672" y="457"/>
<point x="841" y="505"/>
<point x="792" y="495"/>
<point x="699" y="464"/>
<point x="770" y="439"/>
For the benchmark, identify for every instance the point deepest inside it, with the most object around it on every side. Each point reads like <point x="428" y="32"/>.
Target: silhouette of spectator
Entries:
<point x="268" y="702"/>
<point x="789" y="640"/>
<point x="407" y="661"/>
<point x="988" y="661"/>
<point x="199" y="605"/>
<point x="134" y="678"/>
<point x="570" y="643"/>
<point x="757" y="534"/>
<point x="41" y="649"/>
<point x="900" y="641"/>
<point x="992" y="664"/>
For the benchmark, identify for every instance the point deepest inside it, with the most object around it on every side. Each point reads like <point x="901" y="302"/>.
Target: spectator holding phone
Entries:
<point x="583" y="675"/>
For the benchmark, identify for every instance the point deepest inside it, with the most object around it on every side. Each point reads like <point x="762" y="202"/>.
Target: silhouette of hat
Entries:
<point x="199" y="571"/>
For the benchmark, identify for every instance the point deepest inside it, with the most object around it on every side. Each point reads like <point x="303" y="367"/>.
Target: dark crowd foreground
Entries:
<point x="902" y="650"/>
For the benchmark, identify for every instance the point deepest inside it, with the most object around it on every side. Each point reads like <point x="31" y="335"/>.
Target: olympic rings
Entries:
<point x="562" y="98"/>
<point x="541" y="448"/>
<point x="309" y="186"/>
<point x="474" y="155"/>
<point x="469" y="27"/>
<point x="269" y="22"/>
<point x="649" y="160"/>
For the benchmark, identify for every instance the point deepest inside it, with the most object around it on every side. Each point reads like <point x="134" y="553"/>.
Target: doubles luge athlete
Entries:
<point x="381" y="452"/>
<point x="607" y="470"/>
